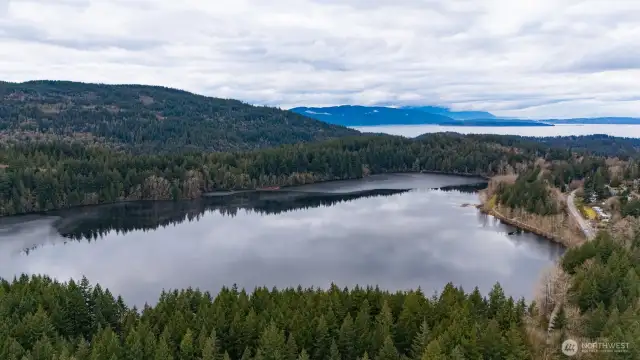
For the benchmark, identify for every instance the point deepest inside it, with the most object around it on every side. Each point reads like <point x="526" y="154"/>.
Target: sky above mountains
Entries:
<point x="531" y="59"/>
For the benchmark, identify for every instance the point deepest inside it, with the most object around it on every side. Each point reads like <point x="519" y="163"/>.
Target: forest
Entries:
<point x="40" y="176"/>
<point x="529" y="192"/>
<point x="149" y="119"/>
<point x="604" y="297"/>
<point x="41" y="319"/>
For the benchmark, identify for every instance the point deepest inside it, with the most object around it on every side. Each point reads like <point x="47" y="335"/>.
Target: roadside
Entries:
<point x="589" y="234"/>
<point x="586" y="228"/>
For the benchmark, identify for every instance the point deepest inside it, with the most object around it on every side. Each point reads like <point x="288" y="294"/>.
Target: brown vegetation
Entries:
<point x="551" y="291"/>
<point x="562" y="226"/>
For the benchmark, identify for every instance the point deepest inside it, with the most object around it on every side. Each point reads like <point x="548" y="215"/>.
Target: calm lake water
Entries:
<point x="395" y="231"/>
<point x="558" y="130"/>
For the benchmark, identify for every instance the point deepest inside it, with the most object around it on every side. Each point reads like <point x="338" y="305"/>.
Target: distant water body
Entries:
<point x="540" y="131"/>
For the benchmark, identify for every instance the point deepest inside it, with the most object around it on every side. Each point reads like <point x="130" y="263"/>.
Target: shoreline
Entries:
<point x="224" y="192"/>
<point x="524" y="226"/>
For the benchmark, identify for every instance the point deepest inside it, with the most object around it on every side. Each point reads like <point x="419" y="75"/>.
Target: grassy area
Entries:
<point x="492" y="201"/>
<point x="588" y="212"/>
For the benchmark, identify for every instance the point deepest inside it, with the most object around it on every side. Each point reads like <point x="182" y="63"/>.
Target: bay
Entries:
<point x="632" y="131"/>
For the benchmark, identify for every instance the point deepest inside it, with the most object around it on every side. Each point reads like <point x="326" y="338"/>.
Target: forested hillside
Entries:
<point x="44" y="176"/>
<point x="149" y="118"/>
<point x="604" y="294"/>
<point x="530" y="193"/>
<point x="41" y="319"/>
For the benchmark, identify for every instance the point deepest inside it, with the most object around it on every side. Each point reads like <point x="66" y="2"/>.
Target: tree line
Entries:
<point x="40" y="176"/>
<point x="42" y="319"/>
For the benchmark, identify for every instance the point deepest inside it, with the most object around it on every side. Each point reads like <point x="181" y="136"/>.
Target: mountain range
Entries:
<point x="349" y="115"/>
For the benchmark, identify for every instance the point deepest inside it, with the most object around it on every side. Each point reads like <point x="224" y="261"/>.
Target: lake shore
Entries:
<point x="226" y="192"/>
<point x="490" y="209"/>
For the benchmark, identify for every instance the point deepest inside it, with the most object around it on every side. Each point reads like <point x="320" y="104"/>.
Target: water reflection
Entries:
<point x="91" y="223"/>
<point x="394" y="238"/>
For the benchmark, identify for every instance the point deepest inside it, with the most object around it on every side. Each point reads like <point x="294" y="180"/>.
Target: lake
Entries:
<point x="397" y="231"/>
<point x="541" y="131"/>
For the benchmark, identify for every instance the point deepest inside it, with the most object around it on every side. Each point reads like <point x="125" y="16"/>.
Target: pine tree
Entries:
<point x="321" y="340"/>
<point x="383" y="327"/>
<point x="272" y="343"/>
<point x="133" y="347"/>
<point x="457" y="354"/>
<point x="388" y="350"/>
<point x="83" y="351"/>
<point x="246" y="354"/>
<point x="434" y="351"/>
<point x="303" y="355"/>
<point x="334" y="353"/>
<point x="362" y="328"/>
<point x="210" y="349"/>
<point x="420" y="342"/>
<point x="347" y="339"/>
<point x="187" y="350"/>
<point x="291" y="348"/>
<point x="162" y="351"/>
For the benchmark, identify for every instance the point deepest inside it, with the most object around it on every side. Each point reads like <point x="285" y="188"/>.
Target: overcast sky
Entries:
<point x="527" y="58"/>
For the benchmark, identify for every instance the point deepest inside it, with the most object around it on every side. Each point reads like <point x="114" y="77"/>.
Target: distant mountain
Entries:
<point x="457" y="115"/>
<point x="596" y="121"/>
<point x="150" y="118"/>
<point x="348" y="115"/>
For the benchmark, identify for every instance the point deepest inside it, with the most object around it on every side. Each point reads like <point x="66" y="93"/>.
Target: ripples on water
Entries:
<point x="375" y="231"/>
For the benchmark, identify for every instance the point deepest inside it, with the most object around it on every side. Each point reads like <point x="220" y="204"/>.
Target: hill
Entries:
<point x="150" y="118"/>
<point x="457" y="115"/>
<point x="348" y="115"/>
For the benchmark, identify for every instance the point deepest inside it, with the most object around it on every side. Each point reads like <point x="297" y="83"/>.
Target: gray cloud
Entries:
<point x="534" y="59"/>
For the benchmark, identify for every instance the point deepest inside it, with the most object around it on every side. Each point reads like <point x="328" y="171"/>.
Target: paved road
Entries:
<point x="586" y="228"/>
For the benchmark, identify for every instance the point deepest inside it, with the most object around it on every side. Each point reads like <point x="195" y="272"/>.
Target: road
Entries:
<point x="589" y="233"/>
<point x="586" y="228"/>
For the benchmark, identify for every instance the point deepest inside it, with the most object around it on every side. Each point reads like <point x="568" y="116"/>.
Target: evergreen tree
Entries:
<point x="347" y="339"/>
<point x="187" y="349"/>
<point x="388" y="350"/>
<point x="334" y="353"/>
<point x="421" y="341"/>
<point x="434" y="351"/>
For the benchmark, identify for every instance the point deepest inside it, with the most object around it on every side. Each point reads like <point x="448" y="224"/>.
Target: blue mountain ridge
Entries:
<point x="457" y="115"/>
<point x="354" y="115"/>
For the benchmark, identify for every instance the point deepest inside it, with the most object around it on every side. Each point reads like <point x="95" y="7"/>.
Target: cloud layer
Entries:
<point x="543" y="58"/>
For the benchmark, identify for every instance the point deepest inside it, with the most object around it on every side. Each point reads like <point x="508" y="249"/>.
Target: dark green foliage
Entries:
<point x="631" y="208"/>
<point x="150" y="118"/>
<point x="45" y="176"/>
<point x="606" y="287"/>
<point x="190" y="325"/>
<point x="596" y="183"/>
<point x="529" y="193"/>
<point x="564" y="146"/>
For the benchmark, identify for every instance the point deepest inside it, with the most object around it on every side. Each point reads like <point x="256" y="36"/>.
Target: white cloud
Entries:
<point x="544" y="58"/>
